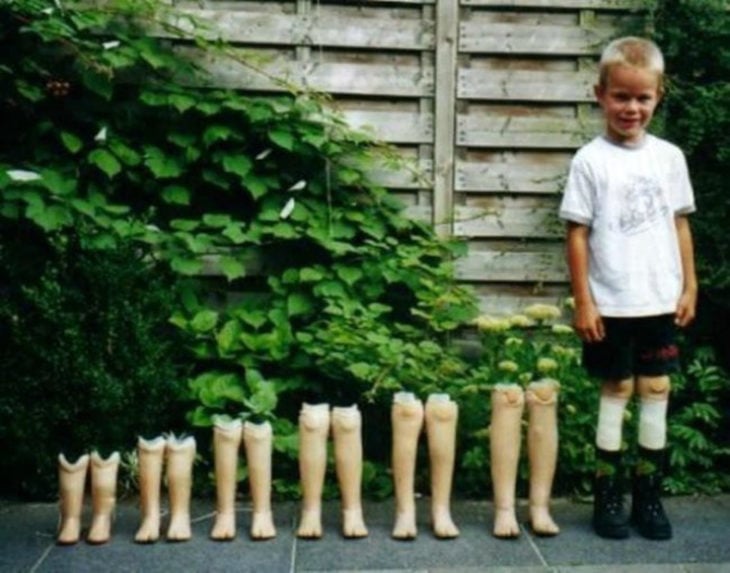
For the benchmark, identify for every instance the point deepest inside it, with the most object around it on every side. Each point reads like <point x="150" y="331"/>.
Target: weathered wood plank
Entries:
<point x="513" y="262"/>
<point x="572" y="4"/>
<point x="336" y="78"/>
<point x="410" y="174"/>
<point x="508" y="299"/>
<point x="510" y="178"/>
<point x="474" y="36"/>
<point x="529" y="132"/>
<point x="393" y="126"/>
<point x="316" y="29"/>
<point x="537" y="86"/>
<point x="516" y="217"/>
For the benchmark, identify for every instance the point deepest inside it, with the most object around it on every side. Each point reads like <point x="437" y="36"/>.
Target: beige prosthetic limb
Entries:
<point x="150" y="454"/>
<point x="441" y="417"/>
<point x="71" y="484"/>
<point x="407" y="420"/>
<point x="180" y="453"/>
<point x="542" y="446"/>
<point x="258" y="439"/>
<point x="508" y="402"/>
<point x="103" y="496"/>
<point x="346" y="432"/>
<point x="314" y="422"/>
<point x="226" y="442"/>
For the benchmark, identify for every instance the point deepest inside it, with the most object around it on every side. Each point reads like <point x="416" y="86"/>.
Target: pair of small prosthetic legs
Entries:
<point x="257" y="439"/>
<point x="180" y="455"/>
<point x="508" y="402"/>
<point x="314" y="427"/>
<point x="407" y="416"/>
<point x="72" y="482"/>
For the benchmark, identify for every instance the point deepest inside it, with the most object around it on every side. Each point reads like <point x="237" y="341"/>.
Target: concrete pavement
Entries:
<point x="701" y="543"/>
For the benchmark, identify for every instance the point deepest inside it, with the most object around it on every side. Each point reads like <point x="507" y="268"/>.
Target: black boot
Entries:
<point x="647" y="512"/>
<point x="609" y="517"/>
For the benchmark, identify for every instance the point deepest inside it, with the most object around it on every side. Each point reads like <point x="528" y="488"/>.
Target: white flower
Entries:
<point x="491" y="323"/>
<point x="546" y="364"/>
<point x="542" y="311"/>
<point x="521" y="321"/>
<point x="508" y="366"/>
<point x="288" y="208"/>
<point x="101" y="136"/>
<point x="264" y="154"/>
<point x="569" y="302"/>
<point x="111" y="45"/>
<point x="298" y="186"/>
<point x="562" y="329"/>
<point x="23" y="175"/>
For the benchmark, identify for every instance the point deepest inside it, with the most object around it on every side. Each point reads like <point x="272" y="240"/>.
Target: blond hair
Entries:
<point x="633" y="52"/>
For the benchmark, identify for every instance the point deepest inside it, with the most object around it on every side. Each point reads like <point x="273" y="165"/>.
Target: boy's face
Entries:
<point x="628" y="99"/>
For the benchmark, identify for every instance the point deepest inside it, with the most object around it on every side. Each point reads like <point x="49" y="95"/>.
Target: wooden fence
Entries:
<point x="487" y="98"/>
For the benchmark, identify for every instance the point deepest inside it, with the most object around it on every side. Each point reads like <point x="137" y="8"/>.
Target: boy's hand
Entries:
<point x="685" y="312"/>
<point x="588" y="323"/>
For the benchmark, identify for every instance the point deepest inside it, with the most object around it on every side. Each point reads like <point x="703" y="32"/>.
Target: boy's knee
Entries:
<point x="621" y="389"/>
<point x="654" y="387"/>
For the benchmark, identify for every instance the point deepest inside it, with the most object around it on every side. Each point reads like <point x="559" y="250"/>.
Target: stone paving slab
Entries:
<point x="700" y="545"/>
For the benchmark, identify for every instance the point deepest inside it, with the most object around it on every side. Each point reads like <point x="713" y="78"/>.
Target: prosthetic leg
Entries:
<point x="180" y="457"/>
<point x="505" y="436"/>
<point x="314" y="422"/>
<point x="150" y="455"/>
<point x="346" y="432"/>
<point x="226" y="441"/>
<point x="103" y="496"/>
<point x="407" y="419"/>
<point x="71" y="483"/>
<point x="258" y="442"/>
<point x="441" y="417"/>
<point x="542" y="446"/>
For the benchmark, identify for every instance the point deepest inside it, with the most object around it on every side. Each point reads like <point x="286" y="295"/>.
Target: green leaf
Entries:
<point x="186" y="266"/>
<point x="204" y="321"/>
<point x="105" y="161"/>
<point x="49" y="218"/>
<point x="257" y="186"/>
<point x="126" y="154"/>
<point x="349" y="274"/>
<point x="298" y="304"/>
<point x="227" y="337"/>
<point x="176" y="195"/>
<point x="263" y="400"/>
<point x="71" y="142"/>
<point x="181" y="102"/>
<point x="162" y="165"/>
<point x="232" y="268"/>
<point x="237" y="164"/>
<point x="216" y="220"/>
<point x="218" y="133"/>
<point x="282" y="138"/>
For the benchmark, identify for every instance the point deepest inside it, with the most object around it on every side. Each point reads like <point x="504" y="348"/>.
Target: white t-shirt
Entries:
<point x="629" y="197"/>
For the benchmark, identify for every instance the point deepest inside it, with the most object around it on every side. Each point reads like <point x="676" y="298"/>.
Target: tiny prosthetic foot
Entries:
<point x="226" y="442"/>
<point x="258" y="440"/>
<point x="441" y="418"/>
<point x="505" y="435"/>
<point x="151" y="454"/>
<point x="71" y="484"/>
<point x="103" y="496"/>
<point x="314" y="424"/>
<point x="346" y="432"/>
<point x="180" y="454"/>
<point x="542" y="446"/>
<point x="407" y="421"/>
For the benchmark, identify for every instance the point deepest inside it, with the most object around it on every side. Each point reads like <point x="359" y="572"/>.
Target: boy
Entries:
<point x="631" y="262"/>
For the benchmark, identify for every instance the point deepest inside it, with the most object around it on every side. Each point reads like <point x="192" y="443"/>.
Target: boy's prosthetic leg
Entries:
<point x="505" y="435"/>
<point x="314" y="423"/>
<point x="542" y="445"/>
<point x="647" y="512"/>
<point x="407" y="420"/>
<point x="71" y="484"/>
<point x="609" y="516"/>
<point x="346" y="432"/>
<point x="103" y="496"/>
<point x="258" y="439"/>
<point x="226" y="441"/>
<point x="441" y="417"/>
<point x="150" y="455"/>
<point x="180" y="457"/>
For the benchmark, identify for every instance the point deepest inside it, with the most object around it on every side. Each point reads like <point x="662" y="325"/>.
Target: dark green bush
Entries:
<point x="87" y="356"/>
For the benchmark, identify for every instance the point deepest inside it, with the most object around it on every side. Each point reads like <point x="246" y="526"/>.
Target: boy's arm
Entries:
<point x="688" y="299"/>
<point x="587" y="320"/>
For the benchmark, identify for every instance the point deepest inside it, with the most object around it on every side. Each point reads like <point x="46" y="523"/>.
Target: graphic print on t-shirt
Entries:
<point x="642" y="206"/>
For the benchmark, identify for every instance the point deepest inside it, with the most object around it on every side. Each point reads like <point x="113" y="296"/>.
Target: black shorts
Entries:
<point x="643" y="346"/>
